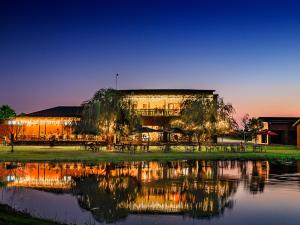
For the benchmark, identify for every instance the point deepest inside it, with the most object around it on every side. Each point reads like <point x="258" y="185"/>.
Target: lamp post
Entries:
<point x="117" y="75"/>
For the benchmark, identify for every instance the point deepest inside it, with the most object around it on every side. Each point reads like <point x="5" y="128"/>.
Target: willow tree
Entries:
<point x="225" y="122"/>
<point x="108" y="113"/>
<point x="206" y="117"/>
<point x="198" y="117"/>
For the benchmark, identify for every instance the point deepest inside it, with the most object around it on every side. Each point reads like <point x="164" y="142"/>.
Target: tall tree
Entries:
<point x="108" y="113"/>
<point x="206" y="117"/>
<point x="6" y="112"/>
<point x="198" y="116"/>
<point x="9" y="128"/>
<point x="225" y="122"/>
<point x="251" y="126"/>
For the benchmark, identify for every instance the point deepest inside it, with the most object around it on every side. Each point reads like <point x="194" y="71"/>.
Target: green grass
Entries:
<point x="9" y="216"/>
<point x="74" y="153"/>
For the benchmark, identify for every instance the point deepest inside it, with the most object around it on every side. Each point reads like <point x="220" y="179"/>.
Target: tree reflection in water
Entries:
<point x="111" y="191"/>
<point x="209" y="199"/>
<point x="111" y="198"/>
<point x="256" y="181"/>
<point x="106" y="197"/>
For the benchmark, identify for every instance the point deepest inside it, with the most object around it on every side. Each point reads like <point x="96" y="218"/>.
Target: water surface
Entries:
<point x="177" y="192"/>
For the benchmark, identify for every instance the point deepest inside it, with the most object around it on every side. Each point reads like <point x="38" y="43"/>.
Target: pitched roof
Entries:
<point x="290" y="120"/>
<point x="59" y="111"/>
<point x="296" y="123"/>
<point x="166" y="91"/>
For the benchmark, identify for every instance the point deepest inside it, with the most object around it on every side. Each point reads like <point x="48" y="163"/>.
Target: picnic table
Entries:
<point x="165" y="147"/>
<point x="259" y="148"/>
<point x="190" y="147"/>
<point x="128" y="147"/>
<point x="144" y="147"/>
<point x="92" y="146"/>
<point x="225" y="147"/>
<point x="119" y="147"/>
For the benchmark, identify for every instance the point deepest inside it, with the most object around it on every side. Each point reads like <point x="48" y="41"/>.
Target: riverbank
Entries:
<point x="75" y="153"/>
<point x="9" y="216"/>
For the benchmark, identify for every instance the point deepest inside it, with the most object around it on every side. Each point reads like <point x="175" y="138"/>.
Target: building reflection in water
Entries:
<point x="111" y="191"/>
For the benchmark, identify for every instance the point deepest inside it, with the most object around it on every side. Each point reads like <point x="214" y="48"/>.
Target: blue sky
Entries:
<point x="60" y="52"/>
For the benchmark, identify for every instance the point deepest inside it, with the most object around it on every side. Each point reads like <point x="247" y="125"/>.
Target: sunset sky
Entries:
<point x="60" y="52"/>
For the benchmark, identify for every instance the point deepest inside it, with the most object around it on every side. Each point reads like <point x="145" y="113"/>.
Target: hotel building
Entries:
<point x="157" y="107"/>
<point x="285" y="129"/>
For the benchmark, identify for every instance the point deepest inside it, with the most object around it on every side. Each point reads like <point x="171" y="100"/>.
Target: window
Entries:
<point x="263" y="138"/>
<point x="171" y="106"/>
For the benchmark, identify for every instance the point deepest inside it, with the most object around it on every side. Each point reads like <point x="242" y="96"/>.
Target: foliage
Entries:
<point x="251" y="126"/>
<point x="207" y="204"/>
<point x="108" y="196"/>
<point x="86" y="125"/>
<point x="6" y="112"/>
<point x="108" y="113"/>
<point x="206" y="118"/>
<point x="197" y="116"/>
<point x="225" y="121"/>
<point x="2" y="184"/>
<point x="10" y="130"/>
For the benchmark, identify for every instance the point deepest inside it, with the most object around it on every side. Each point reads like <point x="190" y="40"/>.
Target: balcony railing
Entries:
<point x="158" y="112"/>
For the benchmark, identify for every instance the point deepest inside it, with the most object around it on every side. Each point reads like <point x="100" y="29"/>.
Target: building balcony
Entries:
<point x="158" y="112"/>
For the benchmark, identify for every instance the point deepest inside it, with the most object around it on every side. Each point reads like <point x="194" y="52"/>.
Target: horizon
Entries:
<point x="238" y="116"/>
<point x="59" y="53"/>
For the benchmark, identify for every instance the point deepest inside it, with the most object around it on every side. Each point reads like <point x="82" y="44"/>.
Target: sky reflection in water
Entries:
<point x="179" y="192"/>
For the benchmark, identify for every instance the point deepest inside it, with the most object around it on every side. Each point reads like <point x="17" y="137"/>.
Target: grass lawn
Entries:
<point x="74" y="153"/>
<point x="9" y="216"/>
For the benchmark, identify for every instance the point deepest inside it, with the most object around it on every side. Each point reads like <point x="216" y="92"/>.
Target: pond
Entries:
<point x="177" y="192"/>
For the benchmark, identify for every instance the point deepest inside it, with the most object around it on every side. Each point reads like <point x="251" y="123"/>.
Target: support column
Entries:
<point x="62" y="130"/>
<point x="45" y="131"/>
<point x="39" y="134"/>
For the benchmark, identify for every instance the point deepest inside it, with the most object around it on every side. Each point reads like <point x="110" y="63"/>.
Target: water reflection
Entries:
<point x="256" y="182"/>
<point x="112" y="191"/>
<point x="108" y="198"/>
